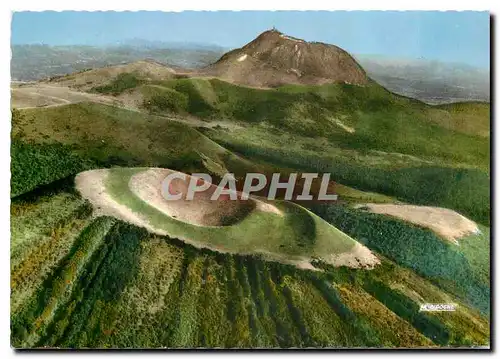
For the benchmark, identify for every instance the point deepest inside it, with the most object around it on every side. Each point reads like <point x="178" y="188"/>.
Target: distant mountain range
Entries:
<point x="429" y="81"/>
<point x="150" y="44"/>
<point x="36" y="62"/>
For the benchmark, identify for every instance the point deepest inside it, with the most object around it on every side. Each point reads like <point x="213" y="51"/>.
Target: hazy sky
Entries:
<point x="446" y="36"/>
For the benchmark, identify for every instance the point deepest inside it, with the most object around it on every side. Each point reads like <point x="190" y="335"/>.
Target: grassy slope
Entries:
<point x="117" y="286"/>
<point x="382" y="121"/>
<point x="298" y="233"/>
<point x="116" y="136"/>
<point x="397" y="148"/>
<point x="467" y="117"/>
<point x="43" y="231"/>
<point x="249" y="303"/>
<point x="33" y="317"/>
<point x="53" y="143"/>
<point x="466" y="190"/>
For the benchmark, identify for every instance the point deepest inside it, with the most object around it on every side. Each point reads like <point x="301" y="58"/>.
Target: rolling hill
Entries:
<point x="87" y="79"/>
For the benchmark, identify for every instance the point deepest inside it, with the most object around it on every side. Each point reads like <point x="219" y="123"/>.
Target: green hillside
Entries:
<point x="467" y="117"/>
<point x="87" y="282"/>
<point x="365" y="136"/>
<point x="379" y="119"/>
<point x="408" y="178"/>
<point x="349" y="116"/>
<point x="52" y="143"/>
<point x="115" y="136"/>
<point x="106" y="284"/>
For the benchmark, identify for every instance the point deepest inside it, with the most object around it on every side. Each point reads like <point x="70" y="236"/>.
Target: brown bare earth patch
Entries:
<point x="443" y="221"/>
<point x="46" y="95"/>
<point x="274" y="59"/>
<point x="201" y="210"/>
<point x="147" y="186"/>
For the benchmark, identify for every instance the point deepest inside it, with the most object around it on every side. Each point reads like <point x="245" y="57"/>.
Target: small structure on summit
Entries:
<point x="273" y="59"/>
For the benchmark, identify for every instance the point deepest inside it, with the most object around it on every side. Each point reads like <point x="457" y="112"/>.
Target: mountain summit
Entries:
<point x="274" y="59"/>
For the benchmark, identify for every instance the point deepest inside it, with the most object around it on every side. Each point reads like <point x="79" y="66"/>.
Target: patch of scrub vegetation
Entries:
<point x="33" y="217"/>
<point x="32" y="322"/>
<point x="313" y="313"/>
<point x="463" y="272"/>
<point x="476" y="247"/>
<point x="390" y="328"/>
<point x="268" y="139"/>
<point x="407" y="309"/>
<point x="33" y="165"/>
<point x="42" y="233"/>
<point x="158" y="100"/>
<point x="200" y="96"/>
<point x="122" y="82"/>
<point x="466" y="325"/>
<point x="211" y="306"/>
<point x="105" y="277"/>
<point x="401" y="291"/>
<point x="145" y="298"/>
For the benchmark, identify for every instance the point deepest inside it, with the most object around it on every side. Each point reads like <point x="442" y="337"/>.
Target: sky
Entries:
<point x="459" y="37"/>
